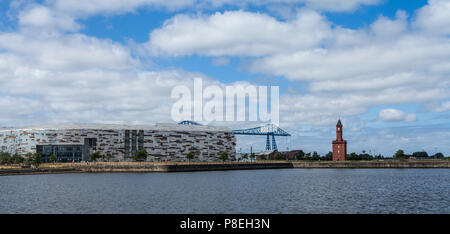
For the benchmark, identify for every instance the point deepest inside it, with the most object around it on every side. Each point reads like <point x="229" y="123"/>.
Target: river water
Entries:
<point x="247" y="191"/>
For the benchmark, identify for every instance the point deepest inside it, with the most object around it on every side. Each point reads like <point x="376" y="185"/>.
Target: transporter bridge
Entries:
<point x="266" y="130"/>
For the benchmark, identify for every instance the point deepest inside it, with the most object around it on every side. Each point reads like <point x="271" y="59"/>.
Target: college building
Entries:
<point x="75" y="142"/>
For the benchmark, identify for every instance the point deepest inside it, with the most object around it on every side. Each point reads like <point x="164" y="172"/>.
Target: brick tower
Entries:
<point x="339" y="145"/>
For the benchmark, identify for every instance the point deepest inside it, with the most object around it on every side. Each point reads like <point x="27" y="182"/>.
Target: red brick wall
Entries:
<point x="339" y="150"/>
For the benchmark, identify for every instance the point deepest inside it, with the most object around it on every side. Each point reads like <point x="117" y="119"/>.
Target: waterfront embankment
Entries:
<point x="136" y="167"/>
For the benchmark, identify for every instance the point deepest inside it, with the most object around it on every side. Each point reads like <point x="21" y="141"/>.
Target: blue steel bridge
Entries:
<point x="269" y="130"/>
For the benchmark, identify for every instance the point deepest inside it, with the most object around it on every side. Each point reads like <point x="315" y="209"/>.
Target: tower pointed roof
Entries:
<point x="339" y="123"/>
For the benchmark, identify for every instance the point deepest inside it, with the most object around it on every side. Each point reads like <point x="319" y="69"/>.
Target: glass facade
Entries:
<point x="133" y="142"/>
<point x="127" y="143"/>
<point x="63" y="153"/>
<point x="141" y="140"/>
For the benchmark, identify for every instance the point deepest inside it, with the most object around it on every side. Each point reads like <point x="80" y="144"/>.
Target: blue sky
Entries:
<point x="381" y="65"/>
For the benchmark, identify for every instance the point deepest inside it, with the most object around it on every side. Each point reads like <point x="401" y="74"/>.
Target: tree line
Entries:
<point x="27" y="159"/>
<point x="400" y="154"/>
<point x="141" y="155"/>
<point x="364" y="156"/>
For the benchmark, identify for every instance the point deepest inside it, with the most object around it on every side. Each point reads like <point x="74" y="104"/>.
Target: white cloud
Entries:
<point x="437" y="106"/>
<point x="387" y="63"/>
<point x="45" y="18"/>
<point x="18" y="108"/>
<point x="51" y="76"/>
<point x="67" y="51"/>
<point x="87" y="7"/>
<point x="370" y="58"/>
<point x="238" y="33"/>
<point x="434" y="17"/>
<point x="221" y="61"/>
<point x="386" y="28"/>
<point x="339" y="5"/>
<point x="84" y="95"/>
<point x="381" y="82"/>
<point x="325" y="107"/>
<point x="394" y="115"/>
<point x="347" y="71"/>
<point x="76" y="78"/>
<point x="410" y="139"/>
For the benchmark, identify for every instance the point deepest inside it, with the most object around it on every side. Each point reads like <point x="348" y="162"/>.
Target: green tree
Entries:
<point x="379" y="157"/>
<point x="37" y="157"/>
<point x="33" y="159"/>
<point x="5" y="158"/>
<point x="421" y="154"/>
<point x="52" y="158"/>
<point x="327" y="157"/>
<point x="245" y="156"/>
<point x="17" y="159"/>
<point x="438" y="156"/>
<point x="308" y="156"/>
<point x="278" y="156"/>
<point x="400" y="154"/>
<point x="300" y="155"/>
<point x="141" y="155"/>
<point x="28" y="158"/>
<point x="95" y="156"/>
<point x="365" y="156"/>
<point x="252" y="156"/>
<point x="223" y="156"/>
<point x="315" y="156"/>
<point x="352" y="156"/>
<point x="190" y="156"/>
<point x="109" y="157"/>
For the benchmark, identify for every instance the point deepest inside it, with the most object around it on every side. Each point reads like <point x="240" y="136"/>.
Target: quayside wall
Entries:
<point x="180" y="167"/>
<point x="135" y="167"/>
<point x="375" y="164"/>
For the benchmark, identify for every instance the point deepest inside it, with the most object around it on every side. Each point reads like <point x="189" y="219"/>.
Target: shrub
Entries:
<point x="141" y="155"/>
<point x="5" y="158"/>
<point x="95" y="156"/>
<point x="190" y="156"/>
<point x="223" y="156"/>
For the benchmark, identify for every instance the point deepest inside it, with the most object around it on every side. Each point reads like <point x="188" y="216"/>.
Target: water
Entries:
<point x="250" y="191"/>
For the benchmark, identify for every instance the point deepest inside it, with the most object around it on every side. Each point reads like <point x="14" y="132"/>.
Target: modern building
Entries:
<point x="339" y="145"/>
<point x="75" y="142"/>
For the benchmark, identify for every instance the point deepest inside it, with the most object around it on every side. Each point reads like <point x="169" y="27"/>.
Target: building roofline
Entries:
<point x="99" y="126"/>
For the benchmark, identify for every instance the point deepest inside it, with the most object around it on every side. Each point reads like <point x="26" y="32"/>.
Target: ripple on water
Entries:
<point x="252" y="191"/>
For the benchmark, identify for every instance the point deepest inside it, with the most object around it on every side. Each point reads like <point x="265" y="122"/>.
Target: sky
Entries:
<point x="382" y="66"/>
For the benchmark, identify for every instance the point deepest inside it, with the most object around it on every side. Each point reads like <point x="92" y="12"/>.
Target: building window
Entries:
<point x="141" y="140"/>
<point x="91" y="142"/>
<point x="63" y="153"/>
<point x="133" y="142"/>
<point x="127" y="143"/>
